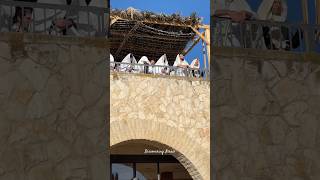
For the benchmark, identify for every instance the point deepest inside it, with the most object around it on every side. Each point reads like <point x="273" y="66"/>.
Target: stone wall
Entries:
<point x="171" y="111"/>
<point x="52" y="108"/>
<point x="266" y="114"/>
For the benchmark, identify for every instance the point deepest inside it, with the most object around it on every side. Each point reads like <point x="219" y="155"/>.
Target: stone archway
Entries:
<point x="190" y="154"/>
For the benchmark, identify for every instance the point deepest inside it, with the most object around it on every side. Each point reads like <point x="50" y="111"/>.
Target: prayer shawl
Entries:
<point x="222" y="31"/>
<point x="143" y="60"/>
<point x="43" y="20"/>
<point x="265" y="13"/>
<point x="192" y="65"/>
<point x="177" y="62"/>
<point x="233" y="5"/>
<point x="128" y="60"/>
<point x="163" y="61"/>
<point x="112" y="65"/>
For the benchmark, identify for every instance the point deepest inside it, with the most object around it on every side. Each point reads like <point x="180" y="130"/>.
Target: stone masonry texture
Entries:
<point x="266" y="110"/>
<point x="171" y="111"/>
<point x="52" y="109"/>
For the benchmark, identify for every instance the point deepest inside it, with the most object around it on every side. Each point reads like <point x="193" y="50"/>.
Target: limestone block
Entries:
<point x="75" y="104"/>
<point x="42" y="171"/>
<point x="293" y="112"/>
<point x="308" y="130"/>
<point x="91" y="92"/>
<point x="35" y="73"/>
<point x="72" y="168"/>
<point x="5" y="51"/>
<point x="288" y="90"/>
<point x="54" y="90"/>
<point x="39" y="106"/>
<point x="72" y="77"/>
<point x="58" y="150"/>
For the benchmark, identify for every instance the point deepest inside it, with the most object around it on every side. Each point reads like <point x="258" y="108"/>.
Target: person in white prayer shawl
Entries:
<point x="228" y="33"/>
<point x="143" y="65"/>
<point x="152" y="67"/>
<point x="181" y="65"/>
<point x="126" y="63"/>
<point x="112" y="64"/>
<point x="195" y="66"/>
<point x="161" y="66"/>
<point x="62" y="22"/>
<point x="274" y="10"/>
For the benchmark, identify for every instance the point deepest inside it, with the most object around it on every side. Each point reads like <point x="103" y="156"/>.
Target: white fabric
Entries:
<point x="178" y="62"/>
<point x="233" y="5"/>
<point x="162" y="61"/>
<point x="83" y="27"/>
<point x="128" y="67"/>
<point x="264" y="11"/>
<point x="143" y="60"/>
<point x="112" y="64"/>
<point x="192" y="65"/>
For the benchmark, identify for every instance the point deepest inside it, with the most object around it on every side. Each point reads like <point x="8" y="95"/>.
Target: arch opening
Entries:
<point x="148" y="160"/>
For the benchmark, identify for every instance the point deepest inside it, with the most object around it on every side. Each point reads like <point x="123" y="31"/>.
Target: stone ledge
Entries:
<point x="28" y="38"/>
<point x="265" y="54"/>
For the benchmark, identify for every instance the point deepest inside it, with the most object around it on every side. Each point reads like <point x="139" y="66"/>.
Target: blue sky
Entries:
<point x="184" y="7"/>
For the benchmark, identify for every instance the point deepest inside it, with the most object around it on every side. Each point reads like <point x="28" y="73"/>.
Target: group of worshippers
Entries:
<point x="180" y="67"/>
<point x="52" y="21"/>
<point x="265" y="37"/>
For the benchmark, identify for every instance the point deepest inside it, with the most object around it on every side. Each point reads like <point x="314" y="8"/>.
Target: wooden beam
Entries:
<point x="207" y="36"/>
<point x="318" y="11"/>
<point x="304" y="5"/>
<point x="200" y="35"/>
<point x="135" y="27"/>
<point x="195" y="42"/>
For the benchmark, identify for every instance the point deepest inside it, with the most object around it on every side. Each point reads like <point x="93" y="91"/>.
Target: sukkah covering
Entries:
<point x="149" y="34"/>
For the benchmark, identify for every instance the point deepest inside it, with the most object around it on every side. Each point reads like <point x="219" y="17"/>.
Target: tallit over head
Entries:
<point x="111" y="58"/>
<point x="177" y="61"/>
<point x="162" y="61"/>
<point x="129" y="59"/>
<point x="144" y="60"/>
<point x="265" y="11"/>
<point x="233" y="5"/>
<point x="193" y="64"/>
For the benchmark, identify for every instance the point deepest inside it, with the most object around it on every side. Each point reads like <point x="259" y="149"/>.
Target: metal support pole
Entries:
<point x="158" y="170"/>
<point x="134" y="170"/>
<point x="304" y="5"/>
<point x="204" y="59"/>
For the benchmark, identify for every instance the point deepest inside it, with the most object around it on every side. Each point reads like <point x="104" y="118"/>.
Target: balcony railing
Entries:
<point x="54" y="19"/>
<point x="160" y="70"/>
<point x="266" y="35"/>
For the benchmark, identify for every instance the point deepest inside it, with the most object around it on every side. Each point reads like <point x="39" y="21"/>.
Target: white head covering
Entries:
<point x="111" y="58"/>
<point x="192" y="65"/>
<point x="111" y="61"/>
<point x="234" y="5"/>
<point x="128" y="59"/>
<point x="162" y="61"/>
<point x="176" y="62"/>
<point x="142" y="60"/>
<point x="264" y="11"/>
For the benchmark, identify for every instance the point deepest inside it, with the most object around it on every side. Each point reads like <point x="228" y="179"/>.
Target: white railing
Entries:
<point x="160" y="70"/>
